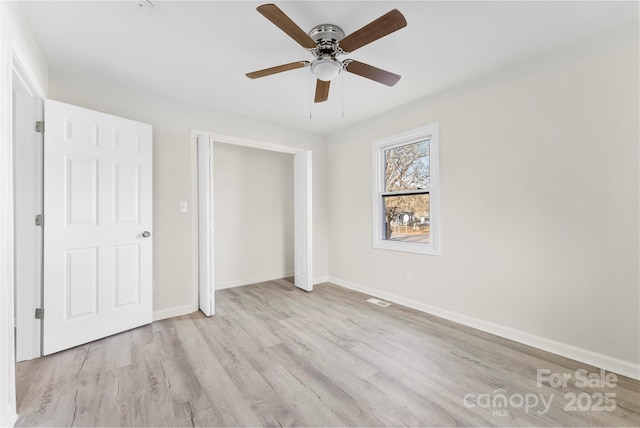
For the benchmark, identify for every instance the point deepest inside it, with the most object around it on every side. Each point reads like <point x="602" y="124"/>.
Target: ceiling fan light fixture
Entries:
<point x="326" y="69"/>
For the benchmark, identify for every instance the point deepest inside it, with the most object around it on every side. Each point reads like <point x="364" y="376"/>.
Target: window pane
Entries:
<point x="407" y="167"/>
<point x="407" y="218"/>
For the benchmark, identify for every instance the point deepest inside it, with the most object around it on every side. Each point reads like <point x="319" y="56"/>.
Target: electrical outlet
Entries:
<point x="183" y="206"/>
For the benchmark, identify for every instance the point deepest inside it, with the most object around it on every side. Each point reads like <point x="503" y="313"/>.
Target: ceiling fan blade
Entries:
<point x="277" y="69"/>
<point x="385" y="25"/>
<point x="322" y="91"/>
<point x="373" y="73"/>
<point x="282" y="21"/>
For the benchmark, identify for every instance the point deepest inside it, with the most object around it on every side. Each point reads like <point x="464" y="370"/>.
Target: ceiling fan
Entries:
<point x="326" y="42"/>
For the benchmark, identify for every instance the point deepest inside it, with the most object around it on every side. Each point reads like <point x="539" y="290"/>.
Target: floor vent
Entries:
<point x="378" y="302"/>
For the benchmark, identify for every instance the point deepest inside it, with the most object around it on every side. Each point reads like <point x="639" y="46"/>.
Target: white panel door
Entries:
<point x="98" y="219"/>
<point x="302" y="222"/>
<point x="206" y="297"/>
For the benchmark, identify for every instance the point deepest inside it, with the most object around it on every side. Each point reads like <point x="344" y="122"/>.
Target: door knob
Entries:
<point x="146" y="234"/>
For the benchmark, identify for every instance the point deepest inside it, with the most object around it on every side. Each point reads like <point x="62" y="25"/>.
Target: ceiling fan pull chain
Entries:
<point x="342" y="92"/>
<point x="311" y="80"/>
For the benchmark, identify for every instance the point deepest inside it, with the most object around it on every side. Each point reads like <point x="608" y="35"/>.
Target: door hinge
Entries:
<point x="40" y="126"/>
<point x="39" y="220"/>
<point x="39" y="313"/>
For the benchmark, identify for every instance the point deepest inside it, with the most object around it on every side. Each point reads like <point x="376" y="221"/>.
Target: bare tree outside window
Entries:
<point x="406" y="196"/>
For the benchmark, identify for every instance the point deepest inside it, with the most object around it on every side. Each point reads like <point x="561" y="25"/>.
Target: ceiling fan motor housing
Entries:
<point x="326" y="33"/>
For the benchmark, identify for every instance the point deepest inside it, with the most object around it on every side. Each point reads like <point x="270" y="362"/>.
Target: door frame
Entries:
<point x="15" y="59"/>
<point x="28" y="335"/>
<point x="213" y="137"/>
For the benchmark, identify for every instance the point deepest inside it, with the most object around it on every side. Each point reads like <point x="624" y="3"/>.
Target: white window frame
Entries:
<point x="428" y="132"/>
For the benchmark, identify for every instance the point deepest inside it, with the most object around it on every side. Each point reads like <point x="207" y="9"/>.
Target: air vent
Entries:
<point x="378" y="302"/>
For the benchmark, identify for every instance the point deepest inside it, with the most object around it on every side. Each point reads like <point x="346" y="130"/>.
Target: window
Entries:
<point x="405" y="194"/>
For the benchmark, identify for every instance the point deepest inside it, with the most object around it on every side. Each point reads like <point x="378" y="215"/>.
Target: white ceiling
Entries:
<point x="200" y="50"/>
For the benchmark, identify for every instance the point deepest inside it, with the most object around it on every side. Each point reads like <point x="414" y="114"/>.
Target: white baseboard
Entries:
<point x="263" y="278"/>
<point x="221" y="285"/>
<point x="174" y="312"/>
<point x="9" y="415"/>
<point x="320" y="280"/>
<point x="188" y="309"/>
<point x="625" y="368"/>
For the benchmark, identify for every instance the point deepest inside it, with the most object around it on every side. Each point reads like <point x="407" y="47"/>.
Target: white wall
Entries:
<point x="253" y="212"/>
<point x="15" y="39"/>
<point x="540" y="194"/>
<point x="174" y="244"/>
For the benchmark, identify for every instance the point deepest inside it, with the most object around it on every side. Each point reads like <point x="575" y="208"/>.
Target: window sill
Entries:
<point x="407" y="247"/>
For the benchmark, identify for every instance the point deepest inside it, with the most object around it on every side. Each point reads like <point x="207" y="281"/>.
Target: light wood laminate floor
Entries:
<point x="277" y="356"/>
